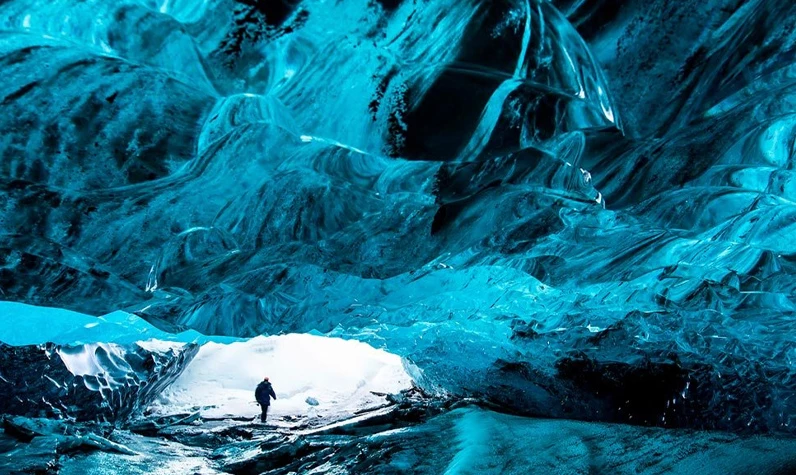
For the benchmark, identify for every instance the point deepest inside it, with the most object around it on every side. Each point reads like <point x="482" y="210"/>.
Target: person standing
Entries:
<point x="263" y="395"/>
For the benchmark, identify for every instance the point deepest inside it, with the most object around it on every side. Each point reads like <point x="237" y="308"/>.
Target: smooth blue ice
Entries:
<point x="579" y="209"/>
<point x="30" y="325"/>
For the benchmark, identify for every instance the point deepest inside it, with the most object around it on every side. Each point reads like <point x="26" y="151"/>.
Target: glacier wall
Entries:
<point x="575" y="209"/>
<point x="97" y="382"/>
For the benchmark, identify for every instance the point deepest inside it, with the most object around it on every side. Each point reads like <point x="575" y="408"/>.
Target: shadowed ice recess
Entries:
<point x="579" y="209"/>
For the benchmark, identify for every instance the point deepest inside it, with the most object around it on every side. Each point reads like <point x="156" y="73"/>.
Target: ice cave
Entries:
<point x="459" y="236"/>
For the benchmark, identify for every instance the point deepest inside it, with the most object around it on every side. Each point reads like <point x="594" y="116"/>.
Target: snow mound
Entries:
<point x="339" y="374"/>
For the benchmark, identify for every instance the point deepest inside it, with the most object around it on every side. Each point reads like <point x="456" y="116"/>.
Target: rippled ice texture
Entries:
<point x="577" y="209"/>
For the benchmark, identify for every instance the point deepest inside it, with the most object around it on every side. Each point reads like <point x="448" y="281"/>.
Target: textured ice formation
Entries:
<point x="578" y="209"/>
<point x="478" y="441"/>
<point x="91" y="382"/>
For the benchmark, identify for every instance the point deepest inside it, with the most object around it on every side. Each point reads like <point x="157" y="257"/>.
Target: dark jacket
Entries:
<point x="264" y="393"/>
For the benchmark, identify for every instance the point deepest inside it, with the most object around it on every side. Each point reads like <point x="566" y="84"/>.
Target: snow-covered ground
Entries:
<point x="339" y="374"/>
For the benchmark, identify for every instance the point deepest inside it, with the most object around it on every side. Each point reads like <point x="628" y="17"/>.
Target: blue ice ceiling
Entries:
<point x="580" y="209"/>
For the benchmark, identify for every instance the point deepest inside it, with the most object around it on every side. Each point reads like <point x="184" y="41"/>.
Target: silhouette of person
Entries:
<point x="263" y="395"/>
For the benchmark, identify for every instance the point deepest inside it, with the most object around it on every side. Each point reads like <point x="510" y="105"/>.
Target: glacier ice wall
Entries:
<point x="576" y="209"/>
<point x="90" y="382"/>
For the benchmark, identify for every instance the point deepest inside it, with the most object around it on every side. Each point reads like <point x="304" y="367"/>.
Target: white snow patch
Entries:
<point x="338" y="373"/>
<point x="155" y="345"/>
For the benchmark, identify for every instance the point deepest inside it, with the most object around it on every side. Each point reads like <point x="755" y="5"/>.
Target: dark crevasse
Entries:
<point x="570" y="209"/>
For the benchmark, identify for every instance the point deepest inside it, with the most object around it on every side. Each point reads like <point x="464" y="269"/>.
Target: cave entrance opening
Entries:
<point x="316" y="378"/>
